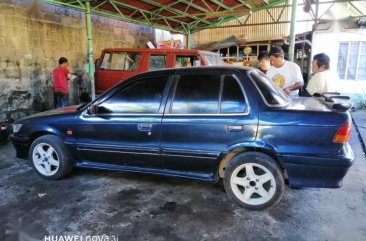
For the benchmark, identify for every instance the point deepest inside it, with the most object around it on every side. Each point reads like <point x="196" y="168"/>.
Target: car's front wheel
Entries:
<point x="50" y="158"/>
<point x="254" y="181"/>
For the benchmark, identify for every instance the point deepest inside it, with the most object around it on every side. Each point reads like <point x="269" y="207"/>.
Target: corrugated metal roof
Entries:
<point x="252" y="30"/>
<point x="182" y="16"/>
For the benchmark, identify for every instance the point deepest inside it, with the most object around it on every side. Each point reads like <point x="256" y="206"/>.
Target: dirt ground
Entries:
<point x="146" y="207"/>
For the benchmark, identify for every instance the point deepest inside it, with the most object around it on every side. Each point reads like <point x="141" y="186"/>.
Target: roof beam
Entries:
<point x="102" y="3"/>
<point x="115" y="7"/>
<point x="174" y="11"/>
<point x="270" y="23"/>
<point x="227" y="19"/>
<point x="141" y="22"/>
<point x="245" y="4"/>
<point x="114" y="16"/>
<point x="220" y="20"/>
<point x="153" y="17"/>
<point x="147" y="19"/>
<point x="195" y="6"/>
<point x="221" y="5"/>
<point x="66" y="4"/>
<point x="224" y="13"/>
<point x="208" y="6"/>
<point x="158" y="11"/>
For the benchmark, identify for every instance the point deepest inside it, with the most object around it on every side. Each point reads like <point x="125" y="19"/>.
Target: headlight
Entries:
<point x="16" y="127"/>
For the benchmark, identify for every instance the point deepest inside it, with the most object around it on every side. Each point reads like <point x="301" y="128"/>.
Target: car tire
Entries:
<point x="50" y="158"/>
<point x="254" y="180"/>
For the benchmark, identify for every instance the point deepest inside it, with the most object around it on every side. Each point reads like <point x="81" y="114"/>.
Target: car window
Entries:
<point x="127" y="61"/>
<point x="157" y="62"/>
<point x="197" y="95"/>
<point x="270" y="91"/>
<point x="232" y="100"/>
<point x="142" y="96"/>
<point x="186" y="61"/>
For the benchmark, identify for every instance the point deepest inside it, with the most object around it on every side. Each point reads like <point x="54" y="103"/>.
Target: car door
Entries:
<point x="206" y="115"/>
<point x="125" y="130"/>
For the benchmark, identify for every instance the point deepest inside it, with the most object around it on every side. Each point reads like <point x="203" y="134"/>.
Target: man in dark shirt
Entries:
<point x="61" y="75"/>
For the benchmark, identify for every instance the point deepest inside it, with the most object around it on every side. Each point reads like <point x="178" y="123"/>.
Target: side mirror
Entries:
<point x="92" y="109"/>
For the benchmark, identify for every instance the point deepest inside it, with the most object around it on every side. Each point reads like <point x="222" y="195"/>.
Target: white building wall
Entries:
<point x="328" y="42"/>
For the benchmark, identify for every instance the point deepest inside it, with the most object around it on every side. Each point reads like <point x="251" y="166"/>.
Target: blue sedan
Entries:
<point x="206" y="123"/>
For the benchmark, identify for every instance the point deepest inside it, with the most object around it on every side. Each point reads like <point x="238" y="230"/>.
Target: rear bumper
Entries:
<point x="317" y="171"/>
<point x="21" y="146"/>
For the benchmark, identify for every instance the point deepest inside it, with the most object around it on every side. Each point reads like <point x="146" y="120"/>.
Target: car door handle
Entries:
<point x="144" y="126"/>
<point x="234" y="128"/>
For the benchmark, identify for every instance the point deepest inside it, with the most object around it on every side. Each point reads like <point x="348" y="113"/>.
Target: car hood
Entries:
<point x="309" y="104"/>
<point x="66" y="110"/>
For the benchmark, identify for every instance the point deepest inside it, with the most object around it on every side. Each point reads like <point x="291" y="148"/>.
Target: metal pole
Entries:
<point x="188" y="39"/>
<point x="90" y="48"/>
<point x="291" y="50"/>
<point x="312" y="38"/>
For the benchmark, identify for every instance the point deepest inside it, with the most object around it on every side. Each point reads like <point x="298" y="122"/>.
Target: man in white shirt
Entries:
<point x="286" y="74"/>
<point x="323" y="79"/>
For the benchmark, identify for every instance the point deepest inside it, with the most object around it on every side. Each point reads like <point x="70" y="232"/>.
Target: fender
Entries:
<point x="235" y="149"/>
<point x="50" y="129"/>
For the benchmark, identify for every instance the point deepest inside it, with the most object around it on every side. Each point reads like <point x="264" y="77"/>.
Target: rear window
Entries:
<point x="272" y="94"/>
<point x="127" y="61"/>
<point x="213" y="59"/>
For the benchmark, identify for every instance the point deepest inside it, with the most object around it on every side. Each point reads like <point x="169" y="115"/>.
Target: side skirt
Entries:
<point x="190" y="175"/>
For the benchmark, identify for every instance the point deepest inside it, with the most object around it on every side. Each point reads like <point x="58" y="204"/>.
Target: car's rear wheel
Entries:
<point x="254" y="181"/>
<point x="50" y="158"/>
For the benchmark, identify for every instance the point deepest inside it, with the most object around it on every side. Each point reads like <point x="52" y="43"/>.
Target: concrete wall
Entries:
<point x="34" y="37"/>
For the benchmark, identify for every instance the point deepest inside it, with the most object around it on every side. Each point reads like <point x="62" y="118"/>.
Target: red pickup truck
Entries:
<point x="116" y="65"/>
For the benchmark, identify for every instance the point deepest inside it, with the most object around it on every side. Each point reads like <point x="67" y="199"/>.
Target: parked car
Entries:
<point x="205" y="123"/>
<point x="116" y="65"/>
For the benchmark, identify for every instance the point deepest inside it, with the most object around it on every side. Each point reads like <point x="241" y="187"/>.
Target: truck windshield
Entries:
<point x="213" y="59"/>
<point x="270" y="91"/>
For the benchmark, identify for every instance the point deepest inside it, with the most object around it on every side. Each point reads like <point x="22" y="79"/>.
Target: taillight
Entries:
<point x="343" y="133"/>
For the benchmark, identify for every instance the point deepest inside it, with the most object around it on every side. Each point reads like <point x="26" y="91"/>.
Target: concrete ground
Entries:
<point x="145" y="207"/>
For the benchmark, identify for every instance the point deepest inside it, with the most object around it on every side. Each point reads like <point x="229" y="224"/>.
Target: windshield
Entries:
<point x="272" y="94"/>
<point x="213" y="59"/>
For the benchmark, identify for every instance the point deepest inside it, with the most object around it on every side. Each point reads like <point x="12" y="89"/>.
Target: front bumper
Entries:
<point x="317" y="171"/>
<point x="21" y="145"/>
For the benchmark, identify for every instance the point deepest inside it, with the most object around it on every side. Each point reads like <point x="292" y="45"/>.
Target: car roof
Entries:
<point x="204" y="70"/>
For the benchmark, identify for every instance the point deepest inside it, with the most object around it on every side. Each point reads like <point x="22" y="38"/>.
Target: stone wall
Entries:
<point x="32" y="39"/>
